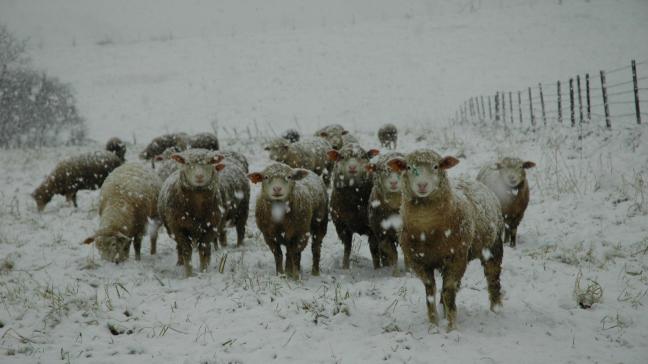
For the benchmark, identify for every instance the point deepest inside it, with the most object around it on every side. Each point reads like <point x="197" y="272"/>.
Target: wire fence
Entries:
<point x="609" y="95"/>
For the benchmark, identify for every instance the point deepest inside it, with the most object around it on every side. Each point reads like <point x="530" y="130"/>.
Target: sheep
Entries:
<point x="166" y="166"/>
<point x="127" y="201"/>
<point x="190" y="205"/>
<point x="291" y="135"/>
<point x="234" y="190"/>
<point x="336" y="135"/>
<point x="292" y="205"/>
<point x="350" y="197"/>
<point x="117" y="146"/>
<point x="82" y="172"/>
<point x="232" y="157"/>
<point x="507" y="179"/>
<point x="161" y="143"/>
<point x="388" y="136"/>
<point x="203" y="141"/>
<point x="384" y="208"/>
<point x="446" y="225"/>
<point x="308" y="154"/>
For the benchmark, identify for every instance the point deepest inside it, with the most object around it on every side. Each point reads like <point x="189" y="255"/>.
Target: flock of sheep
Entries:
<point x="196" y="191"/>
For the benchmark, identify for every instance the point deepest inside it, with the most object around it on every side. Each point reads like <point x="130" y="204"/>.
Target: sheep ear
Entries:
<point x="323" y="134"/>
<point x="299" y="173"/>
<point x="255" y="177"/>
<point x="397" y="164"/>
<point x="333" y="155"/>
<point x="219" y="167"/>
<point x="448" y="162"/>
<point x="267" y="148"/>
<point x="372" y="153"/>
<point x="90" y="239"/>
<point x="217" y="158"/>
<point x="345" y="132"/>
<point x="178" y="158"/>
<point x="370" y="167"/>
<point x="528" y="164"/>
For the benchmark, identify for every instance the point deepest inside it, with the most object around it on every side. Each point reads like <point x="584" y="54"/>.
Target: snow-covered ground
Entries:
<point x="361" y="63"/>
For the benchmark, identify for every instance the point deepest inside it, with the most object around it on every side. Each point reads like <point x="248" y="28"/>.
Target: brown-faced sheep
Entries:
<point x="291" y="135"/>
<point x="162" y="143"/>
<point x="82" y="172"/>
<point x="350" y="198"/>
<point x="336" y="135"/>
<point x="445" y="225"/>
<point x="117" y="146"/>
<point x="507" y="178"/>
<point x="308" y="154"/>
<point x="190" y="205"/>
<point x="203" y="141"/>
<point x="292" y="206"/>
<point x="388" y="136"/>
<point x="384" y="208"/>
<point x="128" y="200"/>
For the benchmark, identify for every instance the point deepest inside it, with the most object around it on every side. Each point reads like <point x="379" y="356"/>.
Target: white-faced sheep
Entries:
<point x="308" y="154"/>
<point x="82" y="172"/>
<point x="507" y="179"/>
<point x="336" y="135"/>
<point x="193" y="209"/>
<point x="127" y="202"/>
<point x="384" y="208"/>
<point x="445" y="225"/>
<point x="388" y="136"/>
<point x="292" y="206"/>
<point x="350" y="198"/>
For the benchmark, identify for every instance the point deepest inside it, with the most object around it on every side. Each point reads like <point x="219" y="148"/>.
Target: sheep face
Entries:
<point x="277" y="181"/>
<point x="423" y="172"/>
<point x="112" y="247"/>
<point x="41" y="197"/>
<point x="198" y="168"/>
<point x="512" y="171"/>
<point x="278" y="149"/>
<point x="351" y="162"/>
<point x="384" y="178"/>
<point x="335" y="137"/>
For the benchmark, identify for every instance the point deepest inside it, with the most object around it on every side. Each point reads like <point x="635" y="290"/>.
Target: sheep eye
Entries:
<point x="436" y="166"/>
<point x="265" y="178"/>
<point x="288" y="177"/>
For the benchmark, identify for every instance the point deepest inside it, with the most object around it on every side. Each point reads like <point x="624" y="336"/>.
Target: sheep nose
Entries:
<point x="276" y="189"/>
<point x="353" y="168"/>
<point x="422" y="186"/>
<point x="394" y="184"/>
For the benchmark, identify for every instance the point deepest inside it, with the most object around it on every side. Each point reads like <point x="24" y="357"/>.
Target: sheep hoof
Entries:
<point x="315" y="273"/>
<point x="496" y="307"/>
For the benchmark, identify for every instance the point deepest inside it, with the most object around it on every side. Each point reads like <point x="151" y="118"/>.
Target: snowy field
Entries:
<point x="140" y="73"/>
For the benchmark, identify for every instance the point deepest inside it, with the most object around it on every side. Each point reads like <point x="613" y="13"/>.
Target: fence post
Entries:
<point x="531" y="108"/>
<point x="580" y="100"/>
<point x="571" y="101"/>
<point x="497" y="108"/>
<point x="559" y="104"/>
<point x="472" y="109"/>
<point x="482" y="107"/>
<point x="490" y="110"/>
<point x="520" y="105"/>
<point x="542" y="105"/>
<point x="606" y="107"/>
<point x="636" y="91"/>
<point x="511" y="106"/>
<point x="589" y="104"/>
<point x="503" y="96"/>
<point x="477" y="108"/>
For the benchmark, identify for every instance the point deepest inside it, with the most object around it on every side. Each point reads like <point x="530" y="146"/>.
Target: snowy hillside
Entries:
<point x="253" y="68"/>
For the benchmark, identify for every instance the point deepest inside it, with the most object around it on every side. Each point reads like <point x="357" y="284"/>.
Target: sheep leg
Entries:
<point x="240" y="232"/>
<point x="278" y="256"/>
<point x="153" y="236"/>
<point x="347" y="240"/>
<point x="204" y="250"/>
<point x="71" y="197"/>
<point x="375" y="251"/>
<point x="288" y="263"/>
<point x="513" y="236"/>
<point x="222" y="236"/>
<point x="137" y="246"/>
<point x="292" y="261"/>
<point x="183" y="247"/>
<point x="430" y="295"/>
<point x="316" y="247"/>
<point x="492" y="271"/>
<point x="452" y="275"/>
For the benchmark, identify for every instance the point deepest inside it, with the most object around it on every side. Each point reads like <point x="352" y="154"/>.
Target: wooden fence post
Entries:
<point x="559" y="104"/>
<point x="477" y="106"/>
<point x="497" y="108"/>
<point x="511" y="106"/>
<point x="606" y="107"/>
<point x="531" y="108"/>
<point x="503" y="96"/>
<point x="580" y="100"/>
<point x="490" y="109"/>
<point x="520" y="105"/>
<point x="472" y="109"/>
<point x="636" y="91"/>
<point x="571" y="101"/>
<point x="542" y="105"/>
<point x="589" y="103"/>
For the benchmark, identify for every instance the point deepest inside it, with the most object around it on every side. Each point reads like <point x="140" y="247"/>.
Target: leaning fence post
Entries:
<point x="580" y="100"/>
<point x="589" y="104"/>
<point x="542" y="105"/>
<point x="531" y="108"/>
<point x="482" y="107"/>
<point x="503" y="95"/>
<point x="490" y="110"/>
<point x="606" y="107"/>
<point x="636" y="91"/>
<point x="571" y="101"/>
<point x="559" y="103"/>
<point x="477" y="108"/>
<point x="472" y="109"/>
<point x="497" y="108"/>
<point x="520" y="105"/>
